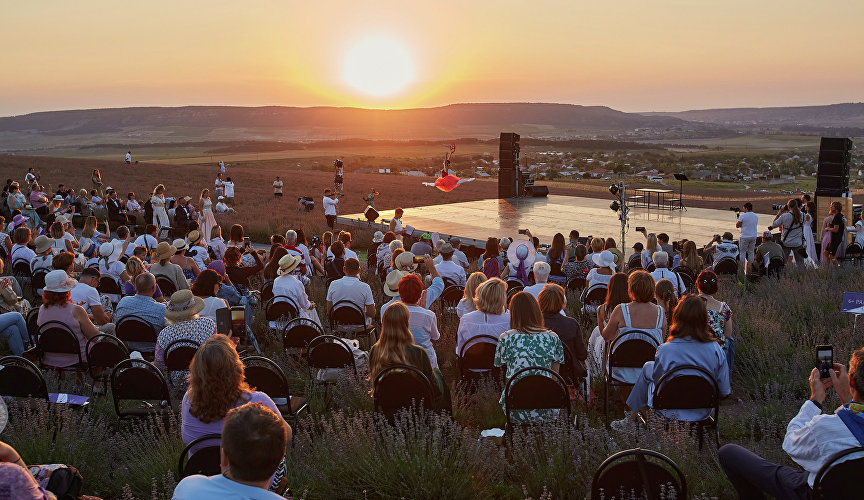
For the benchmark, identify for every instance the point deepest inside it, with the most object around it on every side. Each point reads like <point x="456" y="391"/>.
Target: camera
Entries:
<point x="735" y="209"/>
<point x="337" y="163"/>
<point x="778" y="207"/>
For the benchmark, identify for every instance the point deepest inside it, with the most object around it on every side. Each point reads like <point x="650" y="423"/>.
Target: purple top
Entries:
<point x="192" y="428"/>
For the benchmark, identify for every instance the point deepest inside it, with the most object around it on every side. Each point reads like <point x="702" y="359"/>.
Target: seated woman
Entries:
<point x="20" y="251"/>
<point x="552" y="300"/>
<point x="528" y="343"/>
<point x="580" y="266"/>
<point x="240" y="274"/>
<point x="206" y="287"/>
<point x="183" y="323"/>
<point x="187" y="264"/>
<point x="162" y="266"/>
<point x="56" y="306"/>
<point x="466" y="305"/>
<point x="613" y="247"/>
<point x="287" y="287"/>
<point x="110" y="265"/>
<point x="396" y="346"/>
<point x="616" y="294"/>
<point x="134" y="267"/>
<point x="719" y="315"/>
<point x="690" y="258"/>
<point x="555" y="259"/>
<point x="491" y="263"/>
<point x="217" y="383"/>
<point x="272" y="267"/>
<point x="595" y="246"/>
<point x="490" y="317"/>
<point x="689" y="343"/>
<point x="216" y="245"/>
<point x="665" y="296"/>
<point x="423" y="323"/>
<point x="605" y="262"/>
<point x="638" y="315"/>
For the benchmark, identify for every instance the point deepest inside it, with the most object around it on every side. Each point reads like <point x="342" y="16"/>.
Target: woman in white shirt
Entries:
<point x="160" y="214"/>
<point x="466" y="305"/>
<point x="207" y="286"/>
<point x="491" y="316"/>
<point x="216" y="243"/>
<point x="605" y="262"/>
<point x="396" y="222"/>
<point x="422" y="322"/>
<point x="132" y="205"/>
<point x="288" y="286"/>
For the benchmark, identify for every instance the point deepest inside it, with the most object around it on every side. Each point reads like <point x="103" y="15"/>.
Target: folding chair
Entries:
<point x="267" y="291"/>
<point x="103" y="353"/>
<point x="55" y="337"/>
<point x="835" y="478"/>
<point x="726" y="266"/>
<point x="205" y="460"/>
<point x="179" y="354"/>
<point x="631" y="349"/>
<point x="450" y="298"/>
<point x="135" y="329"/>
<point x="401" y="387"/>
<point x="477" y="357"/>
<point x="299" y="333"/>
<point x="328" y="352"/>
<point x="20" y="378"/>
<point x="630" y="470"/>
<point x="677" y="390"/>
<point x="165" y="285"/>
<point x="687" y="277"/>
<point x="279" y="310"/>
<point x="141" y="382"/>
<point x="592" y="297"/>
<point x="534" y="388"/>
<point x="513" y="290"/>
<point x="349" y="318"/>
<point x="108" y="285"/>
<point x="264" y="375"/>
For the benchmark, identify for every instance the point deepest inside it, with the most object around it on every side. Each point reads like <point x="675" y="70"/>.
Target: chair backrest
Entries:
<point x="346" y="312"/>
<point x="139" y="380"/>
<point x="285" y="307"/>
<point x="451" y="296"/>
<point x="299" y="333"/>
<point x="37" y="281"/>
<point x="179" y="354"/>
<point x="165" y="285"/>
<point x="107" y="284"/>
<point x="536" y="388"/>
<point x="105" y="351"/>
<point x="267" y="291"/>
<point x="596" y="294"/>
<point x="264" y="375"/>
<point x="687" y="387"/>
<point x="20" y="378"/>
<point x="399" y="387"/>
<point x="630" y="470"/>
<point x="634" y="262"/>
<point x="632" y="349"/>
<point x="568" y="369"/>
<point x="32" y="321"/>
<point x="513" y="290"/>
<point x="57" y="338"/>
<point x="834" y="480"/>
<point x="135" y="329"/>
<point x="726" y="265"/>
<point x="330" y="351"/>
<point x="686" y="276"/>
<point x="513" y="282"/>
<point x="21" y="268"/>
<point x="477" y="354"/>
<point x="775" y="265"/>
<point x="576" y="284"/>
<point x="206" y="460"/>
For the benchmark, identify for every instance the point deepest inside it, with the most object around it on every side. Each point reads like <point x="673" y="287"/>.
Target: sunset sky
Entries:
<point x="633" y="55"/>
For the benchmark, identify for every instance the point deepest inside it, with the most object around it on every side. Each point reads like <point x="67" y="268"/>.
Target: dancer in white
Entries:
<point x="160" y="215"/>
<point x="205" y="217"/>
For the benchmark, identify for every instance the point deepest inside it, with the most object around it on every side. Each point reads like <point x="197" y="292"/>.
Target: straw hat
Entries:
<point x="194" y="237"/>
<point x="58" y="281"/>
<point x="391" y="284"/>
<point x="62" y="219"/>
<point x="164" y="250"/>
<point x="405" y="259"/>
<point x="43" y="243"/>
<point x="378" y="237"/>
<point x="521" y="250"/>
<point x="179" y="244"/>
<point x="183" y="305"/>
<point x="604" y="259"/>
<point x="287" y="264"/>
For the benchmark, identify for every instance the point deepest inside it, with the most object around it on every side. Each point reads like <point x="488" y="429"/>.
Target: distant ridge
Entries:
<point x="830" y="115"/>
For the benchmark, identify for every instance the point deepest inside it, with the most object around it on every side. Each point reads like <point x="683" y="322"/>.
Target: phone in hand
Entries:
<point x="825" y="357"/>
<point x="419" y="259"/>
<point x="640" y="229"/>
<point x="223" y="321"/>
<point x="523" y="231"/>
<point x="238" y="322"/>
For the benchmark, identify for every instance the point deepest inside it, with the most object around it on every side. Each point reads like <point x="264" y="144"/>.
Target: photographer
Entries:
<point x="791" y="222"/>
<point x="330" y="201"/>
<point x="811" y="438"/>
<point x="747" y="222"/>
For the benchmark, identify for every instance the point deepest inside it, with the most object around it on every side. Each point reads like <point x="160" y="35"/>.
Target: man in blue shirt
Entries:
<point x="143" y="306"/>
<point x="254" y="440"/>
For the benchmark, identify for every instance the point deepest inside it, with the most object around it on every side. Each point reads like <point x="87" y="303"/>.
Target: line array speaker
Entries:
<point x="538" y="191"/>
<point x="832" y="175"/>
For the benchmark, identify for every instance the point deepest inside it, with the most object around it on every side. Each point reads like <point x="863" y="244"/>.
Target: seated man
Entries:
<point x="424" y="246"/>
<point x="458" y="255"/>
<point x="221" y="207"/>
<point x="769" y="250"/>
<point x="541" y="276"/>
<point x="143" y="306"/>
<point x="254" y="442"/>
<point x="661" y="271"/>
<point x="811" y="438"/>
<point x="147" y="240"/>
<point x="98" y="307"/>
<point x="335" y="265"/>
<point x="117" y="210"/>
<point x="451" y="272"/>
<point x="350" y="288"/>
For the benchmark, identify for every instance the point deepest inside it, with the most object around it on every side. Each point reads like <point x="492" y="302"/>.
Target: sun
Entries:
<point x="378" y="66"/>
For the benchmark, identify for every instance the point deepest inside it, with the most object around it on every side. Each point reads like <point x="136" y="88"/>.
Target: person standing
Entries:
<point x="330" y="201"/>
<point x="747" y="221"/>
<point x="229" y="191"/>
<point x="160" y="215"/>
<point x="219" y="185"/>
<point x="30" y="178"/>
<point x="277" y="187"/>
<point x="128" y="157"/>
<point x="834" y="232"/>
<point x="791" y="223"/>
<point x="222" y="169"/>
<point x="370" y="198"/>
<point x="205" y="217"/>
<point x="96" y="179"/>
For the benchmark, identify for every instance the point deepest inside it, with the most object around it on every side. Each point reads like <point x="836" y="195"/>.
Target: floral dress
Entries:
<point x="717" y="320"/>
<point x="578" y="269"/>
<point x="521" y="350"/>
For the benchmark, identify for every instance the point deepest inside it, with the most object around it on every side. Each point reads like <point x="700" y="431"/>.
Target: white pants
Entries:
<point x="747" y="249"/>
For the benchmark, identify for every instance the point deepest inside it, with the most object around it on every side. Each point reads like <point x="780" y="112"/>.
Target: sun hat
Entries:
<point x="446" y="248"/>
<point x="521" y="253"/>
<point x="106" y="249"/>
<point x="287" y="264"/>
<point x="18" y="220"/>
<point x="109" y="188"/>
<point x="505" y="243"/>
<point x="391" y="284"/>
<point x="425" y="236"/>
<point x="604" y="259"/>
<point x="218" y="266"/>
<point x="62" y="219"/>
<point x="183" y="305"/>
<point x="179" y="244"/>
<point x="58" y="281"/>
<point x="86" y="248"/>
<point x="186" y="198"/>
<point x="220" y="197"/>
<point x="43" y="243"/>
<point x="194" y="237"/>
<point x="405" y="259"/>
<point x="57" y="198"/>
<point x="164" y="250"/>
<point x="378" y="237"/>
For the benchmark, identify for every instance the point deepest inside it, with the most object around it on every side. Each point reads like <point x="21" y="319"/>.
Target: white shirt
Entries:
<point x="749" y="221"/>
<point x="29" y="178"/>
<point x="21" y="252"/>
<point x="229" y="189"/>
<point x="452" y="271"/>
<point x="534" y="289"/>
<point x="86" y="296"/>
<point x="306" y="258"/>
<point x="222" y="166"/>
<point x="350" y="288"/>
<point x="145" y="240"/>
<point x="663" y="273"/>
<point x="221" y="208"/>
<point x="330" y="205"/>
<point x="128" y="157"/>
<point x="211" y="305"/>
<point x="114" y="269"/>
<point x="424" y="327"/>
<point x="479" y="323"/>
<point x="397" y="228"/>
<point x="595" y="277"/>
<point x="199" y="256"/>
<point x="277" y="187"/>
<point x="812" y="437"/>
<point x="460" y="258"/>
<point x="725" y="249"/>
<point x="133" y="206"/>
<point x="349" y="254"/>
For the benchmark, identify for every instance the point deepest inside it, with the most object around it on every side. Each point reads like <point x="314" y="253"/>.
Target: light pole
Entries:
<point x="620" y="207"/>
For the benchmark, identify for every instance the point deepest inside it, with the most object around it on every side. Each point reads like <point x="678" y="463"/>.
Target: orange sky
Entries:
<point x="633" y="55"/>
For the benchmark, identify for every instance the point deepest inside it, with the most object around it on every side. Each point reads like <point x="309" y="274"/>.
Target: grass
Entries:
<point x="345" y="451"/>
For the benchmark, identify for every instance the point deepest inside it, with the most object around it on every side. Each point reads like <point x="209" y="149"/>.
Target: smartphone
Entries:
<point x="246" y="241"/>
<point x="418" y="259"/>
<point x="825" y="356"/>
<point x="582" y="240"/>
<point x="238" y="322"/>
<point x="640" y="229"/>
<point x="223" y="321"/>
<point x="523" y="231"/>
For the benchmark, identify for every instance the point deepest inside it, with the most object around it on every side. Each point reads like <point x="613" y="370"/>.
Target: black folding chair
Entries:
<point x="20" y="378"/>
<point x="266" y="376"/>
<point x="329" y="351"/>
<point x="576" y="285"/>
<point x="37" y="280"/>
<point x="535" y="388"/>
<point x="677" y="390"/>
<point x="109" y="285"/>
<point x="687" y="277"/>
<point x="349" y="319"/>
<point x="592" y="297"/>
<point x="103" y="353"/>
<point x="55" y="337"/>
<point x="135" y="329"/>
<point x="632" y="349"/>
<point x="299" y="333"/>
<point x="179" y="354"/>
<point x="726" y="266"/>
<point x="267" y="291"/>
<point x="281" y="311"/>
<point x="477" y="357"/>
<point x="206" y="460"/>
<point x="513" y="290"/>
<point x="142" y="383"/>
<point x="165" y="285"/>
<point x="514" y="282"/>
<point x="32" y="320"/>
<point x="634" y="263"/>
<point x="450" y="298"/>
<point x="568" y="371"/>
<point x="631" y="470"/>
<point x="835" y="478"/>
<point x="401" y="387"/>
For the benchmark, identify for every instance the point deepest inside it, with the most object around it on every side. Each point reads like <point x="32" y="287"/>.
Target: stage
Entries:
<point x="474" y="221"/>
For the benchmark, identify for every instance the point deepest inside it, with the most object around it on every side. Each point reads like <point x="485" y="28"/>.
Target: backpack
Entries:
<point x="492" y="267"/>
<point x="63" y="480"/>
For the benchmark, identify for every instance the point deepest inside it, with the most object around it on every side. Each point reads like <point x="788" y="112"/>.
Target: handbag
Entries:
<point x="802" y="250"/>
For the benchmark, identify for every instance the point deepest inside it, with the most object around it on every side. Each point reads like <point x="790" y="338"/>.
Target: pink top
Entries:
<point x="62" y="314"/>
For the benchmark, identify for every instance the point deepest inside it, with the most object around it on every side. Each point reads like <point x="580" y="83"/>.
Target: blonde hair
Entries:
<point x="89" y="227"/>
<point x="395" y="337"/>
<point x="205" y="190"/>
<point x="491" y="296"/>
<point x="134" y="267"/>
<point x="159" y="188"/>
<point x="640" y="285"/>
<point x="651" y="243"/>
<point x="597" y="245"/>
<point x="215" y="232"/>
<point x="474" y="281"/>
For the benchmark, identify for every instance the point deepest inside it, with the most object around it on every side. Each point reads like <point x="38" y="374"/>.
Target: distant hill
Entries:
<point x="833" y="115"/>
